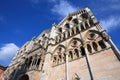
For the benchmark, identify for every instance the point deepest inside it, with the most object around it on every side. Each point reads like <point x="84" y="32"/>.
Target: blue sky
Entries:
<point x="20" y="20"/>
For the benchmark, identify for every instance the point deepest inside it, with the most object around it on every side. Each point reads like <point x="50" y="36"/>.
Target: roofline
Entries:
<point x="81" y="11"/>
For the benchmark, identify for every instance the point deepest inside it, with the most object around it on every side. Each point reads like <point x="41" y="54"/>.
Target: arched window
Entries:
<point x="76" y="53"/>
<point x="60" y="30"/>
<point x="70" y="55"/>
<point x="54" y="60"/>
<point x="82" y="27"/>
<point x="84" y="16"/>
<point x="24" y="77"/>
<point x="75" y="21"/>
<point x="38" y="62"/>
<point x="86" y="25"/>
<point x="60" y="59"/>
<point x="77" y="29"/>
<point x="64" y="36"/>
<point x="89" y="48"/>
<point x="91" y="22"/>
<point x="30" y="61"/>
<point x="68" y="34"/>
<point x="72" y="31"/>
<point x="102" y="44"/>
<point x="95" y="47"/>
<point x="67" y="26"/>
<point x="70" y="18"/>
<point x="64" y="57"/>
<point x="82" y="50"/>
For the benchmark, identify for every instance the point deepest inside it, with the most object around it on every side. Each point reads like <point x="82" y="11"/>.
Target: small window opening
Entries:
<point x="70" y="18"/>
<point x="89" y="48"/>
<point x="95" y="46"/>
<point x="75" y="21"/>
<point x="82" y="50"/>
<point x="102" y="44"/>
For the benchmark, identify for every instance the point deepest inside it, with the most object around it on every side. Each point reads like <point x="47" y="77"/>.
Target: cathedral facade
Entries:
<point x="78" y="48"/>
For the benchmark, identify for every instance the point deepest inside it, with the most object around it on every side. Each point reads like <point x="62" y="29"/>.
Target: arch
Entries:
<point x="95" y="32"/>
<point x="74" y="39"/>
<point x="75" y="20"/>
<point x="60" y="30"/>
<point x="86" y="25"/>
<point x="82" y="27"/>
<point x="62" y="46"/>
<point x="77" y="29"/>
<point x="38" y="62"/>
<point x="91" y="22"/>
<point x="70" y="56"/>
<point x="95" y="46"/>
<point x="67" y="25"/>
<point x="30" y="61"/>
<point x="68" y="34"/>
<point x="89" y="48"/>
<point x="85" y="15"/>
<point x="76" y="53"/>
<point x="102" y="44"/>
<point x="82" y="50"/>
<point x="69" y="18"/>
<point x="24" y="77"/>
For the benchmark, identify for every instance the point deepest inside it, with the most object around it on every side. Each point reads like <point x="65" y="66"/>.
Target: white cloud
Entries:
<point x="7" y="51"/>
<point x="110" y="23"/>
<point x="63" y="8"/>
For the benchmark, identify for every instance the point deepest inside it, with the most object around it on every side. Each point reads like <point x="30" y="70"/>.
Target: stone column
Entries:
<point x="89" y="64"/>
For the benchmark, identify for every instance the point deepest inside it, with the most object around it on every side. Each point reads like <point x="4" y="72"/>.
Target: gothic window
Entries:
<point x="82" y="27"/>
<point x="77" y="29"/>
<point x="38" y="62"/>
<point x="82" y="50"/>
<point x="24" y="77"/>
<point x="72" y="31"/>
<point x="102" y="44"/>
<point x="70" y="18"/>
<point x="67" y="26"/>
<point x="95" y="47"/>
<point x="84" y="16"/>
<point x="60" y="30"/>
<point x="54" y="60"/>
<point x="39" y="41"/>
<point x="70" y="55"/>
<point x="64" y="35"/>
<point x="91" y="22"/>
<point x="75" y="21"/>
<point x="30" y="61"/>
<point x="89" y="48"/>
<point x="68" y="34"/>
<point x="86" y="25"/>
<point x="60" y="58"/>
<point x="43" y="35"/>
<point x="76" y="53"/>
<point x="59" y="50"/>
<point x="64" y="57"/>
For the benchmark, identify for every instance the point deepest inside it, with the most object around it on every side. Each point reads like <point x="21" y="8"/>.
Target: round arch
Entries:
<point x="74" y="39"/>
<point x="97" y="34"/>
<point x="24" y="77"/>
<point x="62" y="46"/>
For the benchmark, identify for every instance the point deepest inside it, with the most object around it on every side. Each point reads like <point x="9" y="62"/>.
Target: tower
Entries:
<point x="78" y="48"/>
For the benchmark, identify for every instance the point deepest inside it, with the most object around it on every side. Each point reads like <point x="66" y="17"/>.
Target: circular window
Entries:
<point x="91" y="36"/>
